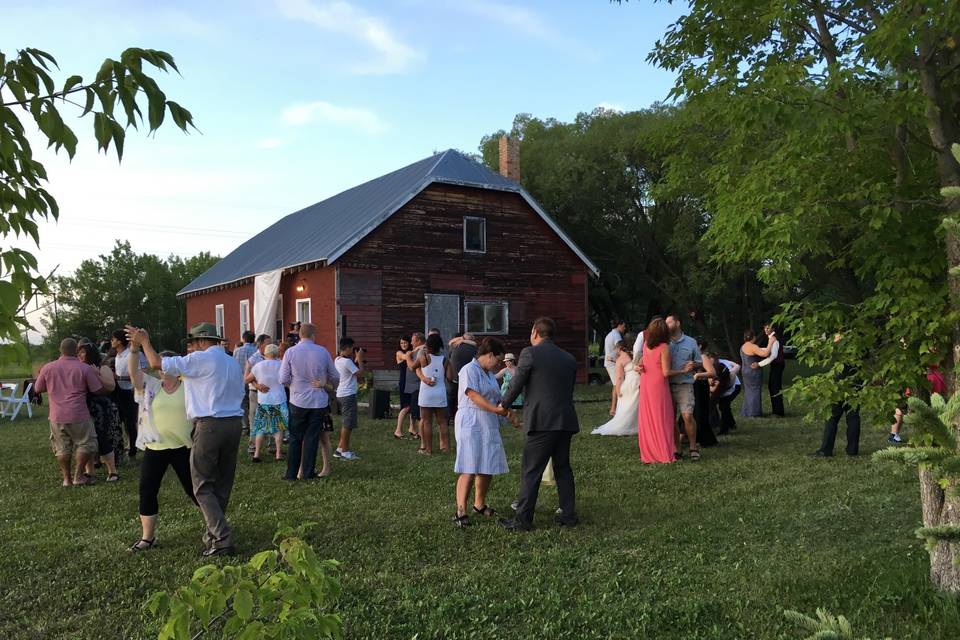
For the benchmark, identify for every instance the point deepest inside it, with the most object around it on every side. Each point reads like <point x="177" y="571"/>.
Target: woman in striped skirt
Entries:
<point x="480" y="454"/>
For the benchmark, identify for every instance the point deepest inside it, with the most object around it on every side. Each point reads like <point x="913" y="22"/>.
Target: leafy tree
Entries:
<point x="113" y="98"/>
<point x="124" y="287"/>
<point x="830" y="124"/>
<point x="601" y="176"/>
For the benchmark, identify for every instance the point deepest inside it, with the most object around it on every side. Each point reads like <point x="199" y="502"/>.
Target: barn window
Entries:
<point x="218" y="314"/>
<point x="491" y="318"/>
<point x="244" y="316"/>
<point x="303" y="310"/>
<point x="474" y="235"/>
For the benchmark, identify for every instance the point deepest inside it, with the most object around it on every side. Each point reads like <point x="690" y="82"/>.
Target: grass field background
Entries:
<point x="715" y="549"/>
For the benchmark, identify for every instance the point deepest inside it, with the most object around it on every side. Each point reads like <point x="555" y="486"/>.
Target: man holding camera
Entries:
<point x="349" y="371"/>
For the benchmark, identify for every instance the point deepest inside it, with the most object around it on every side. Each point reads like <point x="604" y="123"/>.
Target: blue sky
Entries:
<point x="299" y="99"/>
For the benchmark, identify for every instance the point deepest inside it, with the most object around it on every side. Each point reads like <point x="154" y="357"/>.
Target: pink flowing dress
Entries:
<point x="656" y="421"/>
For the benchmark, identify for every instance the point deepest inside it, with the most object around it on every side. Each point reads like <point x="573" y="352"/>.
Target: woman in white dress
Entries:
<point x="626" y="396"/>
<point x="433" y="395"/>
<point x="480" y="454"/>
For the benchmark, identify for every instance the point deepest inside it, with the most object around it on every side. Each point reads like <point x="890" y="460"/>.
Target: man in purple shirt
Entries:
<point x="67" y="382"/>
<point x="308" y="370"/>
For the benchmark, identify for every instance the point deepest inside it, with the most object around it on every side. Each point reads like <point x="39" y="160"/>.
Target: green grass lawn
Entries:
<point x="710" y="550"/>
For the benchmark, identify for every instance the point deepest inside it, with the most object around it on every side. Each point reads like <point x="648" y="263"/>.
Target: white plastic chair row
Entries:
<point x="11" y="403"/>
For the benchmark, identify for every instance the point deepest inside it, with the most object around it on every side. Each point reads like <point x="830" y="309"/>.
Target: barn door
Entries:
<point x="442" y="311"/>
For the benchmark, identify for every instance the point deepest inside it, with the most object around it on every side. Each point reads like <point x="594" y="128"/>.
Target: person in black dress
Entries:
<point x="702" y="406"/>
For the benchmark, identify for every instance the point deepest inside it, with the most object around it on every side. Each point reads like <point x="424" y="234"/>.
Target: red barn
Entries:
<point x="443" y="242"/>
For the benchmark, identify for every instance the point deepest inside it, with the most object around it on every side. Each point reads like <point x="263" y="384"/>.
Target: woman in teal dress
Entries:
<point x="506" y="374"/>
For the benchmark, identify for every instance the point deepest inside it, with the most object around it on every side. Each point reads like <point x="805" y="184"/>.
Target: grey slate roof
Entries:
<point x="328" y="229"/>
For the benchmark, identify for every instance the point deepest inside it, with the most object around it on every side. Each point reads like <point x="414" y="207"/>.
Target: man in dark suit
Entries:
<point x="546" y="374"/>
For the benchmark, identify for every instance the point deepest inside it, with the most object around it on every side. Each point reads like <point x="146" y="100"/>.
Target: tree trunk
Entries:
<point x="938" y="508"/>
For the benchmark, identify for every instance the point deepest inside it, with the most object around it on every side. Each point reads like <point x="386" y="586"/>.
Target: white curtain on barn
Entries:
<point x="266" y="288"/>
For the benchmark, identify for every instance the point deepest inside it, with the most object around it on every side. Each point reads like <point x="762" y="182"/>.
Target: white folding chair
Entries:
<point x="14" y="403"/>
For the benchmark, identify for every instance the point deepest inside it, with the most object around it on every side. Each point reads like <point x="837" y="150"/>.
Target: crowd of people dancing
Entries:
<point x="189" y="412"/>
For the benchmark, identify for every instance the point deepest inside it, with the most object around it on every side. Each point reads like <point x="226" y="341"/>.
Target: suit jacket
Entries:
<point x="546" y="374"/>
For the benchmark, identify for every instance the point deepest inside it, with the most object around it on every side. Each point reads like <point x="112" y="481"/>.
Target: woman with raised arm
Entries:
<point x="164" y="435"/>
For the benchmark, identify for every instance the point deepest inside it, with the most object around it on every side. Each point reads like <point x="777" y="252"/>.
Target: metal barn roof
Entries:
<point x="328" y="229"/>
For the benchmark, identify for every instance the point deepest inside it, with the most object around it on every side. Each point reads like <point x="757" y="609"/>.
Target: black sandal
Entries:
<point x="485" y="511"/>
<point x="414" y="436"/>
<point x="149" y="544"/>
<point x="461" y="521"/>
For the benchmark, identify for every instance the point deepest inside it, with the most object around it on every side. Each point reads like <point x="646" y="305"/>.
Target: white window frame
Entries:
<point x="220" y="320"/>
<point x="506" y="316"/>
<point x="309" y="309"/>
<point x="244" y="316"/>
<point x="483" y="224"/>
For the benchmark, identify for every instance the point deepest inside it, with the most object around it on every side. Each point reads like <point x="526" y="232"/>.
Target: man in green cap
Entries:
<point x="213" y="389"/>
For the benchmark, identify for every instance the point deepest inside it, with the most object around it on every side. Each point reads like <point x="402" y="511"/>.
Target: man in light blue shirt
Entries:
<point x="685" y="359"/>
<point x="241" y="354"/>
<point x="308" y="369"/>
<point x="213" y="390"/>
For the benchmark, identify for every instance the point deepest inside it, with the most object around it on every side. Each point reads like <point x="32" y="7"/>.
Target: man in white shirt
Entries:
<point x="348" y="371"/>
<point x="727" y="422"/>
<point x="125" y="402"/>
<point x="617" y="329"/>
<point x="776" y="361"/>
<point x="213" y="389"/>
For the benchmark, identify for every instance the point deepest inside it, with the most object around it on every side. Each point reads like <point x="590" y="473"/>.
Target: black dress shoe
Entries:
<point x="566" y="523"/>
<point x="219" y="551"/>
<point x="821" y="454"/>
<point x="511" y="524"/>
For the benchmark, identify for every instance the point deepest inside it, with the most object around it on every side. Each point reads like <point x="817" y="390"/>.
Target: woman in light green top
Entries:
<point x="163" y="435"/>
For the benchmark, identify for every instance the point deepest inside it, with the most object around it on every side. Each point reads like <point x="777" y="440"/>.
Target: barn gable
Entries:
<point x="328" y="229"/>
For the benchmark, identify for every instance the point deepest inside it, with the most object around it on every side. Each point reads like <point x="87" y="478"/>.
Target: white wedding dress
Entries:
<point x="624" y="423"/>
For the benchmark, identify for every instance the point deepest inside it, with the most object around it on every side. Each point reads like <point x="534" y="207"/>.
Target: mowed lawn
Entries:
<point x="710" y="550"/>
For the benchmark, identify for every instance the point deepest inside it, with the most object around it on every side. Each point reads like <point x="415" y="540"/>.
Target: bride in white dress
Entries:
<point x="627" y="390"/>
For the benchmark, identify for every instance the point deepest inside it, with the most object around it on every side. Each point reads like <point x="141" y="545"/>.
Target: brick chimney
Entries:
<point x="510" y="158"/>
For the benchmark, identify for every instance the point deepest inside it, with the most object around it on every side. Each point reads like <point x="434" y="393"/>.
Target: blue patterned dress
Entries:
<point x="479" y="447"/>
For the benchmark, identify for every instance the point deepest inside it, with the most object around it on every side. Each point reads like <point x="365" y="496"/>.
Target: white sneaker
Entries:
<point x="349" y="455"/>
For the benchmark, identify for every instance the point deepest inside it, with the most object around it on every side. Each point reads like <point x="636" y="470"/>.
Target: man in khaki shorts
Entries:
<point x="685" y="358"/>
<point x="66" y="381"/>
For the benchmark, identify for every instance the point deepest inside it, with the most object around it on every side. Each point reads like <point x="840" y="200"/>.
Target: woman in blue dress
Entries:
<point x="480" y="454"/>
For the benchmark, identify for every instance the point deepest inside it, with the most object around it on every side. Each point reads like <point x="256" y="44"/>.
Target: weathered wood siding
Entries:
<point x="419" y="250"/>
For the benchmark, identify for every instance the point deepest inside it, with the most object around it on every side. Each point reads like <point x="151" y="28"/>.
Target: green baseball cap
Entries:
<point x="204" y="330"/>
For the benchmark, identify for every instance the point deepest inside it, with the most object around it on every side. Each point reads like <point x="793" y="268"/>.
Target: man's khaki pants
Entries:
<point x="213" y="464"/>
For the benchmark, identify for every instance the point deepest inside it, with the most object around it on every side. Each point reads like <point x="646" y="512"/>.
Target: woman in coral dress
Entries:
<point x="656" y="420"/>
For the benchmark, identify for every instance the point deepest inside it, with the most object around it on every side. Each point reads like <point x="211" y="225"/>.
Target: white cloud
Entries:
<point x="269" y="143"/>
<point x="363" y="120"/>
<point x="339" y="16"/>
<point x="611" y="106"/>
<point x="525" y="21"/>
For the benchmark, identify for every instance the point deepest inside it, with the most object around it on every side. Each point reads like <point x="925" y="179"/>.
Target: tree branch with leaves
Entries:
<point x="115" y="98"/>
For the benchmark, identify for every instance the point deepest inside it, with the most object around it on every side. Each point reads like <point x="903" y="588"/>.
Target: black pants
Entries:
<point x="305" y="428"/>
<point x="727" y="421"/>
<point x="152" y="469"/>
<point x="701" y="413"/>
<point x="853" y="429"/>
<point x="775" y="386"/>
<point x="540" y="447"/>
<point x="128" y="414"/>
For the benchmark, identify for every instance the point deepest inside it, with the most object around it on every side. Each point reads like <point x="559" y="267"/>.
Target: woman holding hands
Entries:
<point x="480" y="454"/>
